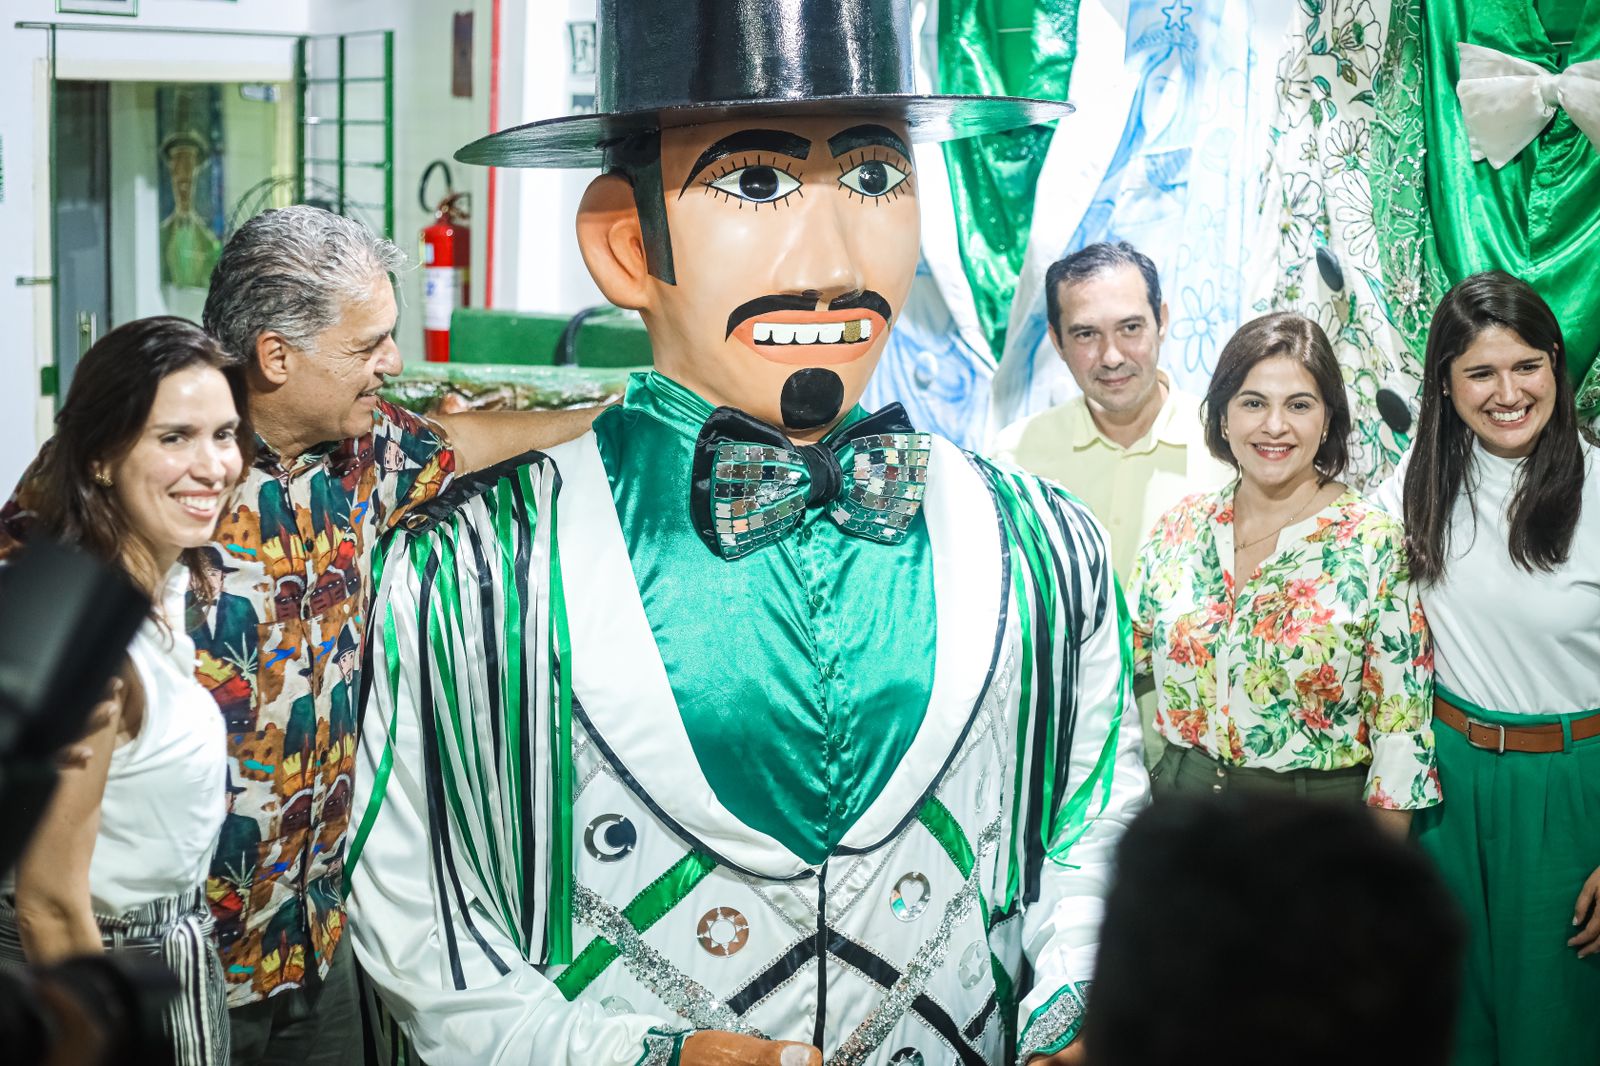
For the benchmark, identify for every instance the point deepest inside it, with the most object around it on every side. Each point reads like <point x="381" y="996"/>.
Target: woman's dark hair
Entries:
<point x="1549" y="494"/>
<point x="1295" y="337"/>
<point x="106" y="408"/>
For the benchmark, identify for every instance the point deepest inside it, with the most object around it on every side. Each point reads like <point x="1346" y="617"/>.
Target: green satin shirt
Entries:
<point x="799" y="671"/>
<point x="1539" y="216"/>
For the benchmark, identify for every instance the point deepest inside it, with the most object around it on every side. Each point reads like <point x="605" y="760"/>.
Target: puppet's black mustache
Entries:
<point x="866" y="300"/>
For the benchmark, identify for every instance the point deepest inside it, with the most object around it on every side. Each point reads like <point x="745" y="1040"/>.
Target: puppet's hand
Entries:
<point x="731" y="1049"/>
<point x="1071" y="1055"/>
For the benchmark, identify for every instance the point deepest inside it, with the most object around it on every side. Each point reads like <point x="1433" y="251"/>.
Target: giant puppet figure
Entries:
<point x="748" y="721"/>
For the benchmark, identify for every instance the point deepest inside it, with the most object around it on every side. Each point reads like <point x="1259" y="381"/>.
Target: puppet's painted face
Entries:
<point x="794" y="243"/>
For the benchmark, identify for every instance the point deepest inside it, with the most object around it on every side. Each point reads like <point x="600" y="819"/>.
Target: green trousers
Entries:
<point x="1515" y="838"/>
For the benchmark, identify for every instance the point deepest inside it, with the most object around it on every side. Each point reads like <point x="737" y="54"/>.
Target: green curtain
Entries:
<point x="1539" y="216"/>
<point x="1012" y="48"/>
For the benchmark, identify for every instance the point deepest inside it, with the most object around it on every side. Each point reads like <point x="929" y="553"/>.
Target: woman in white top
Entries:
<point x="1501" y="501"/>
<point x="146" y="453"/>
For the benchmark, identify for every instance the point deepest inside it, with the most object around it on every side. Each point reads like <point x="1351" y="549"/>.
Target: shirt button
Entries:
<point x="816" y="601"/>
<point x="805" y="535"/>
<point x="1221" y="772"/>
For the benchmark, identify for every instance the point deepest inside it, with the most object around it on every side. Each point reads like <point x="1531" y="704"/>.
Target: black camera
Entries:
<point x="65" y="622"/>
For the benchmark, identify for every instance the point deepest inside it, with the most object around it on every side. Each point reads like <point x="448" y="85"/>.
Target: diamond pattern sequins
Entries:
<point x="609" y="838"/>
<point x="910" y="897"/>
<point x="758" y="491"/>
<point x="723" y="931"/>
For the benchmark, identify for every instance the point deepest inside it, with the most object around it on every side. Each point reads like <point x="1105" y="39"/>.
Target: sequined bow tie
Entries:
<point x="752" y="486"/>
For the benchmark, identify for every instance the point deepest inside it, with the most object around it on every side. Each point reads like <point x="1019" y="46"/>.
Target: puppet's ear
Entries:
<point x="612" y="243"/>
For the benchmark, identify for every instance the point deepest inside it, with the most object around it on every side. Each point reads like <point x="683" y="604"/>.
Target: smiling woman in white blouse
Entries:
<point x="146" y="455"/>
<point x="1277" y="614"/>
<point x="1501" y="499"/>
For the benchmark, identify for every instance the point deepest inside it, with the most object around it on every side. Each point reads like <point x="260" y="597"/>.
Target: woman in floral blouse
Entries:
<point x="1288" y="646"/>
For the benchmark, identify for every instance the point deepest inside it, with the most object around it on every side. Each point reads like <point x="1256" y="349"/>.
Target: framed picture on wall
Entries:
<point x="97" y="7"/>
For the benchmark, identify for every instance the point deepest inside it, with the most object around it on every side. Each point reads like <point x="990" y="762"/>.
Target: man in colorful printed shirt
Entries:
<point x="304" y="298"/>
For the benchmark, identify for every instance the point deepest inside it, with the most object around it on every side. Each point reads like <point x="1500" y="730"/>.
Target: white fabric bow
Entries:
<point x="1507" y="101"/>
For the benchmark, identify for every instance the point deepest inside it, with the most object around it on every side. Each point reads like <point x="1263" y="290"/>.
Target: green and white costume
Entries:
<point x="615" y="789"/>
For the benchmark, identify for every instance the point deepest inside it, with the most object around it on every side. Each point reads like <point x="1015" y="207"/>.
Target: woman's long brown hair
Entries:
<point x="1548" y="498"/>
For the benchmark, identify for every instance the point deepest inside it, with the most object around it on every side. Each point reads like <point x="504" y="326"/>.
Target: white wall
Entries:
<point x="542" y="266"/>
<point x="24" y="249"/>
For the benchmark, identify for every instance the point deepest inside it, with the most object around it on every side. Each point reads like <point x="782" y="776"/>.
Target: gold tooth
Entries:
<point x="852" y="331"/>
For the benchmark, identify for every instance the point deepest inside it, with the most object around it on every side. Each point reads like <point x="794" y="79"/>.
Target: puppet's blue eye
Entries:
<point x="873" y="178"/>
<point x="757" y="184"/>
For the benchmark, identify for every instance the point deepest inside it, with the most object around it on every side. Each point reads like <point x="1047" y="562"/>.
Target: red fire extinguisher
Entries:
<point x="446" y="255"/>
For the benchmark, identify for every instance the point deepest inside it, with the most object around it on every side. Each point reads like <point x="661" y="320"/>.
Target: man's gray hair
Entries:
<point x="292" y="271"/>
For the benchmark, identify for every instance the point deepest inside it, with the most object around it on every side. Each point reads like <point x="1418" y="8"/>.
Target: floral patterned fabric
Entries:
<point x="280" y="651"/>
<point x="1319" y="251"/>
<point x="1321" y="660"/>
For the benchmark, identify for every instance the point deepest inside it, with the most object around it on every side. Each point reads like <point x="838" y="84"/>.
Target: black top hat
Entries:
<point x="216" y="560"/>
<point x="687" y="62"/>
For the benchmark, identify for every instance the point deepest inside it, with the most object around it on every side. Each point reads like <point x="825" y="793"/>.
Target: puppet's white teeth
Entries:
<point x="851" y="332"/>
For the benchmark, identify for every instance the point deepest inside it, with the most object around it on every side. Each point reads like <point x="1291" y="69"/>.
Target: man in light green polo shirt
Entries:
<point x="1131" y="445"/>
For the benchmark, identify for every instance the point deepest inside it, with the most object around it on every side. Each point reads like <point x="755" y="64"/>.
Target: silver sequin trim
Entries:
<point x="882" y="1019"/>
<point x="659" y="1046"/>
<point x="1059" y="1017"/>
<point x="689" y="999"/>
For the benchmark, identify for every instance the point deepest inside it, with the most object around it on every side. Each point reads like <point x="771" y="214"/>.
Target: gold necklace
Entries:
<point x="1297" y="517"/>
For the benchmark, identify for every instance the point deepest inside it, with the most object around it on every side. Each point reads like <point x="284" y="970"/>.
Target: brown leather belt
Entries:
<point x="1534" y="739"/>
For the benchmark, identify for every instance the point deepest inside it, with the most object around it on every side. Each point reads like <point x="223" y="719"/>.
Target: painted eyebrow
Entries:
<point x="867" y="136"/>
<point x="789" y="144"/>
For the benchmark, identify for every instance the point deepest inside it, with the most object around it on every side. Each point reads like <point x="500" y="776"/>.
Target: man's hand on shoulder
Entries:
<point x="1071" y="1055"/>
<point x="483" y="438"/>
<point x="731" y="1049"/>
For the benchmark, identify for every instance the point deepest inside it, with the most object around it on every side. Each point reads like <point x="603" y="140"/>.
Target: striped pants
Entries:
<point x="178" y="931"/>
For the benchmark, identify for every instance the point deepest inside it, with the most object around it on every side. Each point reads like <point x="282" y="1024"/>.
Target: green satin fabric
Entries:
<point x="992" y="178"/>
<point x="800" y="675"/>
<point x="1539" y="216"/>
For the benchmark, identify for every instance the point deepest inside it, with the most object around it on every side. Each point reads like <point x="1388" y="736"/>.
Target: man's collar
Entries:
<point x="269" y="460"/>
<point x="1166" y="429"/>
